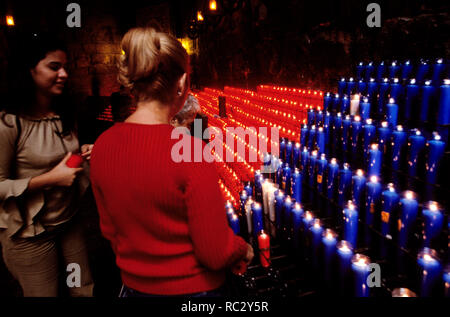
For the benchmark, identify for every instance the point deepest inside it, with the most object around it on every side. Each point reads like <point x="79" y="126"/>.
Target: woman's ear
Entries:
<point x="182" y="85"/>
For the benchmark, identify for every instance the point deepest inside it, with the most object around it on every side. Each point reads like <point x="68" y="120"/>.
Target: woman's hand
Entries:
<point x="250" y="254"/>
<point x="241" y="267"/>
<point x="86" y="150"/>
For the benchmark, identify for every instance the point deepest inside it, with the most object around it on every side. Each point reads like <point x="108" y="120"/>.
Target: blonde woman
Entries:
<point x="165" y="220"/>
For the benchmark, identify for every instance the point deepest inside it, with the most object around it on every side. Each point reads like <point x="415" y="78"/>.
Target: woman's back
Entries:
<point x="165" y="220"/>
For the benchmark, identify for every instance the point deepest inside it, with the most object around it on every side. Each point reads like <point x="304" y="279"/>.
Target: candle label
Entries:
<point x="385" y="216"/>
<point x="319" y="179"/>
<point x="399" y="225"/>
<point x="372" y="208"/>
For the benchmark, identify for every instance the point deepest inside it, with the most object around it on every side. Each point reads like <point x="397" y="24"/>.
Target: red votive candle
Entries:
<point x="74" y="161"/>
<point x="264" y="249"/>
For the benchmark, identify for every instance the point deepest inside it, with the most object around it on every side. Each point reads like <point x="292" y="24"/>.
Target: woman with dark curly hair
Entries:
<point x="39" y="192"/>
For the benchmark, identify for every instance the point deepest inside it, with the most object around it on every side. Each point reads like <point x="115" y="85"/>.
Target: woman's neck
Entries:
<point x="42" y="105"/>
<point x="151" y="112"/>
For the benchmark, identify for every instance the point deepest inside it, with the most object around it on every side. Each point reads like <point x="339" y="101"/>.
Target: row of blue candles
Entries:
<point x="378" y="99"/>
<point x="291" y="217"/>
<point x="423" y="70"/>
<point x="350" y="133"/>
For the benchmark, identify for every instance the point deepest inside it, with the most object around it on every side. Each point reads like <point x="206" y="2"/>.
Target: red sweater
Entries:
<point x="166" y="221"/>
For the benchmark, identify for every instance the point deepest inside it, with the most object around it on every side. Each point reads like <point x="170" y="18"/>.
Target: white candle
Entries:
<point x="354" y="104"/>
<point x="248" y="214"/>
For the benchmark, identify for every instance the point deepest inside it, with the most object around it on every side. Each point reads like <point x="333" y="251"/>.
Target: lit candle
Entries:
<point x="248" y="214"/>
<point x="406" y="69"/>
<point x="436" y="148"/>
<point x="304" y="135"/>
<point x="351" y="84"/>
<point x="279" y="205"/>
<point x="297" y="214"/>
<point x="337" y="125"/>
<point x="345" y="105"/>
<point x="359" y="183"/>
<point x="312" y="168"/>
<point x="362" y="86"/>
<point x="384" y="87"/>
<point x="249" y="189"/>
<point x="344" y="185"/>
<point x="286" y="217"/>
<point x="344" y="135"/>
<point x="336" y="102"/>
<point x="351" y="224"/>
<point x="360" y="70"/>
<point x="283" y="149"/>
<point x="321" y="140"/>
<point x="416" y="145"/>
<point x="368" y="137"/>
<point x="307" y="219"/>
<point x="311" y="117"/>
<point x="372" y="89"/>
<point x="390" y="201"/>
<point x="381" y="68"/>
<point x="272" y="213"/>
<point x="297" y="185"/>
<point x="428" y="93"/>
<point x="444" y="103"/>
<point x="279" y="173"/>
<point x="364" y="109"/>
<point x="329" y="241"/>
<point x="264" y="249"/>
<point x="341" y="86"/>
<point x="257" y="218"/>
<point x="369" y="71"/>
<point x="438" y="68"/>
<point x="304" y="158"/>
<point x="422" y="71"/>
<point x="393" y="69"/>
<point x="345" y="254"/>
<point x="356" y="131"/>
<point x="265" y="195"/>
<point x="374" y="167"/>
<point x="234" y="224"/>
<point x="384" y="135"/>
<point x="398" y="142"/>
<point x="319" y="118"/>
<point x="326" y="101"/>
<point x="373" y="194"/>
<point x="396" y="89"/>
<point x="409" y="207"/>
<point x="312" y="138"/>
<point x="332" y="175"/>
<point x="360" y="268"/>
<point x="321" y="168"/>
<point x="392" y="113"/>
<point x="354" y="104"/>
<point x="326" y="120"/>
<point x="316" y="231"/>
<point x="430" y="269"/>
<point x="433" y="221"/>
<point x="296" y="155"/>
<point x="288" y="158"/>
<point x="286" y="183"/>
<point x="412" y="93"/>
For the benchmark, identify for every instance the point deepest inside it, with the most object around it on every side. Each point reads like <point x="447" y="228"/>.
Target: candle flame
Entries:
<point x="409" y="195"/>
<point x="10" y="20"/>
<point x="428" y="83"/>
<point x="391" y="100"/>
<point x="446" y="81"/>
<point x="308" y="215"/>
<point x="360" y="172"/>
<point x="427" y="257"/>
<point x="384" y="124"/>
<point x="357" y="118"/>
<point x="439" y="61"/>
<point x="372" y="80"/>
<point x="418" y="132"/>
<point x="437" y="137"/>
<point x="433" y="206"/>
<point x="333" y="161"/>
<point x="386" y="80"/>
<point x="391" y="187"/>
<point x="399" y="128"/>
<point x="373" y="179"/>
<point x="369" y="121"/>
<point x="374" y="146"/>
<point x="412" y="81"/>
<point x="234" y="216"/>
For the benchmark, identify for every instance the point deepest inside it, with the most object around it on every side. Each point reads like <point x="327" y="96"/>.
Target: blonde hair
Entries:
<point x="151" y="64"/>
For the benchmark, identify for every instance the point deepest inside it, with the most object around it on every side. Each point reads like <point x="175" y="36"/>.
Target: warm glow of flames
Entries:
<point x="9" y="20"/>
<point x="212" y="5"/>
<point x="199" y="16"/>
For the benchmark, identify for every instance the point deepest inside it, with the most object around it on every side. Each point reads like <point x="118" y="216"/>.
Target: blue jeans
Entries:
<point x="129" y="292"/>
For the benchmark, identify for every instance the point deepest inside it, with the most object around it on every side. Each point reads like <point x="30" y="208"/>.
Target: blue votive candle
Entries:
<point x="360" y="268"/>
<point x="234" y="224"/>
<point x="329" y="242"/>
<point x="321" y="169"/>
<point x="359" y="183"/>
<point x="368" y="137"/>
<point x="312" y="138"/>
<point x="428" y="93"/>
<point x="351" y="84"/>
<point x="286" y="183"/>
<point x="444" y="103"/>
<point x="297" y="185"/>
<point x="392" y="113"/>
<point x="370" y="68"/>
<point x="351" y="224"/>
<point x="312" y="168"/>
<point x="344" y="185"/>
<point x="344" y="136"/>
<point x="384" y="87"/>
<point x="416" y="145"/>
<point x="286" y="217"/>
<point x="389" y="199"/>
<point x="406" y="69"/>
<point x="321" y="140"/>
<point x="289" y="147"/>
<point x="364" y="109"/>
<point x="296" y="155"/>
<point x="373" y="195"/>
<point x="279" y="205"/>
<point x="436" y="148"/>
<point x="422" y="71"/>
<point x="412" y="92"/>
<point x="360" y="70"/>
<point x="304" y="135"/>
<point x="345" y="105"/>
<point x="332" y="176"/>
<point x="430" y="271"/>
<point x="316" y="230"/>
<point x="393" y="69"/>
<point x="341" y="86"/>
<point x="409" y="207"/>
<point x="362" y="86"/>
<point x="356" y="131"/>
<point x="283" y="149"/>
<point x="398" y="142"/>
<point x="438" y="68"/>
<point x="344" y="254"/>
<point x="257" y="218"/>
<point x="381" y="68"/>
<point x="311" y="117"/>
<point x="307" y="219"/>
<point x="327" y="101"/>
<point x="374" y="161"/>
<point x="304" y="158"/>
<point x="396" y="89"/>
<point x="319" y="118"/>
<point x="372" y="88"/>
<point x="384" y="136"/>
<point x="297" y="214"/>
<point x="336" y="102"/>
<point x="433" y="221"/>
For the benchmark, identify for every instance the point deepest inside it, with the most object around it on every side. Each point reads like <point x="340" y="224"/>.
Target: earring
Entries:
<point x="179" y="93"/>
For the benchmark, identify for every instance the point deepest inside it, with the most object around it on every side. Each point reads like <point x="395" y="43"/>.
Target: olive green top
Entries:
<point x="39" y="149"/>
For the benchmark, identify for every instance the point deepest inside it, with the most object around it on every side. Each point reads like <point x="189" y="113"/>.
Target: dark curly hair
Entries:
<point x="27" y="50"/>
